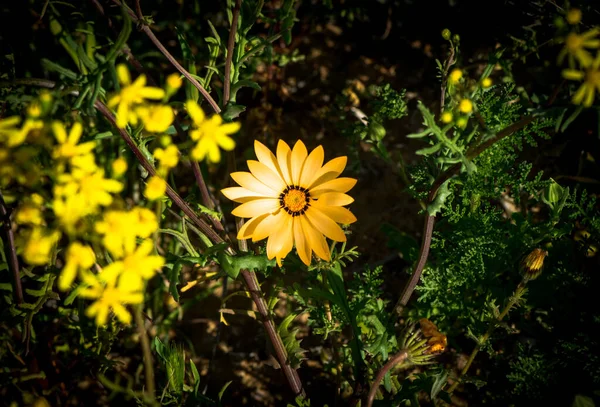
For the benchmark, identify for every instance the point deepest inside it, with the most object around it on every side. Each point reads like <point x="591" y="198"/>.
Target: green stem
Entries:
<point x="147" y="354"/>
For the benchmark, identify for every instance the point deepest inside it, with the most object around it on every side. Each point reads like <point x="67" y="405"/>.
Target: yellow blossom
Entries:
<point x="37" y="250"/>
<point x="210" y="134"/>
<point x="465" y="106"/>
<point x="17" y="138"/>
<point x="79" y="257"/>
<point x="293" y="199"/>
<point x="486" y="82"/>
<point x="145" y="221"/>
<point x="109" y="296"/>
<point x="93" y="187"/>
<point x="67" y="144"/>
<point x="120" y="229"/>
<point x="69" y="210"/>
<point x="136" y="267"/>
<point x="575" y="48"/>
<point x="156" y="118"/>
<point x="119" y="166"/>
<point x="455" y="76"/>
<point x="155" y="188"/>
<point x="174" y="81"/>
<point x="591" y="82"/>
<point x="461" y="122"/>
<point x="131" y="96"/>
<point x="168" y="157"/>
<point x="9" y="128"/>
<point x="574" y="16"/>
<point x="29" y="213"/>
<point x="446" y="117"/>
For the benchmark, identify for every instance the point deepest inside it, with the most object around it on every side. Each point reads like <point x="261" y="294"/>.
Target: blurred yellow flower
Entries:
<point x="37" y="249"/>
<point x="131" y="95"/>
<point x="446" y="117"/>
<point x="9" y="128"/>
<point x="575" y="48"/>
<point x="168" y="157"/>
<point x="29" y="214"/>
<point x="145" y="221"/>
<point x="574" y="16"/>
<point x="109" y="297"/>
<point x="119" y="166"/>
<point x="156" y="118"/>
<point x="465" y="106"/>
<point x="120" y="229"/>
<point x="210" y="134"/>
<point x="93" y="187"/>
<point x="69" y="210"/>
<point x="155" y="188"/>
<point x="174" y="81"/>
<point x="136" y="267"/>
<point x="486" y="82"/>
<point x="67" y="144"/>
<point x="455" y="76"/>
<point x="293" y="199"/>
<point x="79" y="257"/>
<point x="591" y="82"/>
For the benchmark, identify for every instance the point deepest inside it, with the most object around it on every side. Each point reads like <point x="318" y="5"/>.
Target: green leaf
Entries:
<point x="190" y="62"/>
<point x="440" y="198"/>
<point x="234" y="264"/>
<point x="429" y="150"/>
<point x="232" y="111"/>
<point x="243" y="83"/>
<point x="222" y="391"/>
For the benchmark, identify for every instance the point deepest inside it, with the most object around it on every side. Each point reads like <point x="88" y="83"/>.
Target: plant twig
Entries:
<point x="147" y="354"/>
<point x="230" y="46"/>
<point x="146" y="29"/>
<point x="10" y="250"/>
<point x="395" y="360"/>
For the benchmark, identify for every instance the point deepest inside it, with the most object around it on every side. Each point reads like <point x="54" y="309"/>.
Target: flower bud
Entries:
<point x="532" y="264"/>
<point x="446" y="34"/>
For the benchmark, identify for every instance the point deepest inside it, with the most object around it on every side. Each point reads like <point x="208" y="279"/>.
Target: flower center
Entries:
<point x="593" y="77"/>
<point x="294" y="200"/>
<point x="573" y="42"/>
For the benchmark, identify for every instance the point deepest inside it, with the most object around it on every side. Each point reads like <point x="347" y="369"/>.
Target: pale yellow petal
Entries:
<point x="572" y="74"/>
<point x="334" y="199"/>
<point x="284" y="158"/>
<point x="335" y="185"/>
<point x="302" y="246"/>
<point x="256" y="208"/>
<point x="239" y="194"/>
<point x="325" y="224"/>
<point x="313" y="163"/>
<point x="266" y="157"/>
<point x="268" y="225"/>
<point x="266" y="176"/>
<point x="580" y="94"/>
<point x="589" y="98"/>
<point x="314" y="239"/>
<point x="299" y="154"/>
<point x="338" y="214"/>
<point x="247" y="230"/>
<point x="280" y="242"/>
<point x="67" y="276"/>
<point x="329" y="171"/>
<point x="247" y="180"/>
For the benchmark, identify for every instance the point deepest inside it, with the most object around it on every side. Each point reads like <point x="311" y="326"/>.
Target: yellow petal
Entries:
<point x="284" y="158"/>
<point x="256" y="208"/>
<point x="335" y="185"/>
<point x="266" y="176"/>
<point x="315" y="240"/>
<point x="268" y="225"/>
<point x="239" y="194"/>
<point x="123" y="74"/>
<point x="247" y="180"/>
<point x="334" y="199"/>
<point x="195" y="112"/>
<point x="329" y="171"/>
<point x="266" y="157"/>
<point x="580" y="94"/>
<point x="313" y="163"/>
<point x="299" y="154"/>
<point x="325" y="224"/>
<point x="229" y="128"/>
<point x="247" y="230"/>
<point x="302" y="246"/>
<point x="75" y="133"/>
<point x="60" y="133"/>
<point x="67" y="276"/>
<point x="589" y="98"/>
<point x="122" y="313"/>
<point x="338" y="214"/>
<point x="226" y="143"/>
<point x="280" y="242"/>
<point x="572" y="74"/>
<point x="152" y="93"/>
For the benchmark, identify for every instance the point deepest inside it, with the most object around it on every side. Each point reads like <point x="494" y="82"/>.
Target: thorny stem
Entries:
<point x="147" y="354"/>
<point x="484" y="338"/>
<point x="230" y="46"/>
<point x="430" y="220"/>
<point x="146" y="29"/>
<point x="10" y="249"/>
<point x="394" y="361"/>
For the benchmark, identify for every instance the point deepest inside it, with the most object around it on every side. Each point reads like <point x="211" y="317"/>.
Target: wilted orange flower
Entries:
<point x="293" y="199"/>
<point x="436" y="340"/>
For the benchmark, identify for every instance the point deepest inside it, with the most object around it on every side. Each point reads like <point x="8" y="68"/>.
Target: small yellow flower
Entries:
<point x="136" y="267"/>
<point x="30" y="125"/>
<point x="574" y="16"/>
<point x="155" y="188"/>
<point x="34" y="110"/>
<point x="78" y="257"/>
<point x="465" y="106"/>
<point x="585" y="95"/>
<point x="9" y="128"/>
<point x="486" y="82"/>
<point x="145" y="221"/>
<point x="461" y="122"/>
<point x="29" y="214"/>
<point x="293" y="199"/>
<point x="118" y="229"/>
<point x="69" y="210"/>
<point x="455" y="76"/>
<point x="131" y="96"/>
<point x="93" y="187"/>
<point x="174" y="81"/>
<point x="575" y="48"/>
<point x="37" y="250"/>
<point x="447" y="117"/>
<point x="210" y="134"/>
<point x="168" y="157"/>
<point x="119" y="166"/>
<point x="532" y="264"/>
<point x="68" y="147"/>
<point x="109" y="297"/>
<point x="156" y="118"/>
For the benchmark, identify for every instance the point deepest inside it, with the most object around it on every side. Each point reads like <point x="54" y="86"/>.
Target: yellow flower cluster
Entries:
<point x="583" y="66"/>
<point x="461" y="106"/>
<point x="167" y="157"/>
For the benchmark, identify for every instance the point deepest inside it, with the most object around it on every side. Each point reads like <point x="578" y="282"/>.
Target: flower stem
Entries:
<point x="10" y="249"/>
<point x="147" y="354"/>
<point x="394" y="361"/>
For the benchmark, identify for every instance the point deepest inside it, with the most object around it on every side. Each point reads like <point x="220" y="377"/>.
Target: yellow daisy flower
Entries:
<point x="120" y="229"/>
<point x="93" y="187"/>
<point x="131" y="95"/>
<point x="68" y="147"/>
<point x="119" y="166"/>
<point x="155" y="188"/>
<point x="293" y="199"/>
<point x="38" y="247"/>
<point x="136" y="267"/>
<point x="168" y="157"/>
<point x="575" y="48"/>
<point x="109" y="297"/>
<point x="78" y="257"/>
<point x="591" y="82"/>
<point x="210" y="134"/>
<point x="156" y="118"/>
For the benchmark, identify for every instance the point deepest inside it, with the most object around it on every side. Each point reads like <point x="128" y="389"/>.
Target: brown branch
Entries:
<point x="397" y="359"/>
<point x="230" y="46"/>
<point x="146" y="29"/>
<point x="430" y="220"/>
<point x="10" y="249"/>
